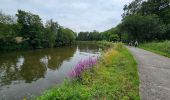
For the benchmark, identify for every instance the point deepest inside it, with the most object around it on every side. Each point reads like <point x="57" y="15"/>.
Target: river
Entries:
<point x="29" y="73"/>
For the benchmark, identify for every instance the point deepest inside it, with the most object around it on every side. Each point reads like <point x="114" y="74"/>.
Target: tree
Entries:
<point x="94" y="36"/>
<point x="132" y="8"/>
<point x="8" y="31"/>
<point x="165" y="15"/>
<point x="148" y="9"/>
<point x="154" y="6"/>
<point x="167" y="34"/>
<point x="31" y="28"/>
<point x="143" y="28"/>
<point x="51" y="28"/>
<point x="7" y="25"/>
<point x="32" y="34"/>
<point x="83" y="36"/>
<point x="112" y="35"/>
<point x="7" y="19"/>
<point x="143" y="7"/>
<point x="65" y="36"/>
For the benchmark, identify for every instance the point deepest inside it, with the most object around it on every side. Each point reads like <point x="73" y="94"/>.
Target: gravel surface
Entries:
<point x="154" y="73"/>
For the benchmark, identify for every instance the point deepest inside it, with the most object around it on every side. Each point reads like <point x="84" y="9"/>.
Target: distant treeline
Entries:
<point x="111" y="35"/>
<point x="26" y="31"/>
<point x="143" y="20"/>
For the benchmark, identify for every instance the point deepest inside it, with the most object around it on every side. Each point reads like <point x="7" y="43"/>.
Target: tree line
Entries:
<point x="109" y="35"/>
<point x="142" y="20"/>
<point x="26" y="30"/>
<point x="146" y="20"/>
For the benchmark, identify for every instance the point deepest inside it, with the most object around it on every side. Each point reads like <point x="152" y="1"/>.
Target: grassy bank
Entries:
<point x="162" y="48"/>
<point x="113" y="77"/>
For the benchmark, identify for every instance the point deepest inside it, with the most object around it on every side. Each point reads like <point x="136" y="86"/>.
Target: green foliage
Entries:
<point x="112" y="35"/>
<point x="143" y="28"/>
<point x="89" y="36"/>
<point x="8" y="30"/>
<point x="33" y="33"/>
<point x="51" y="31"/>
<point x="167" y="34"/>
<point x="31" y="28"/>
<point x="162" y="48"/>
<point x="165" y="15"/>
<point x="6" y="19"/>
<point x="144" y="7"/>
<point x="83" y="36"/>
<point x="132" y="8"/>
<point x="65" y="36"/>
<point x="117" y="80"/>
<point x="151" y="16"/>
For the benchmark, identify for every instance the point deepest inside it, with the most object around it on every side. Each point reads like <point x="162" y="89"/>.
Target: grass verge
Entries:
<point x="162" y="48"/>
<point x="114" y="77"/>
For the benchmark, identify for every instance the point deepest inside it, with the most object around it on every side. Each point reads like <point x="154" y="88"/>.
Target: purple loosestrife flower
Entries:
<point x="81" y="66"/>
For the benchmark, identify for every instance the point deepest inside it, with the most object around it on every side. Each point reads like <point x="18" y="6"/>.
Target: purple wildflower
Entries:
<point x="81" y="66"/>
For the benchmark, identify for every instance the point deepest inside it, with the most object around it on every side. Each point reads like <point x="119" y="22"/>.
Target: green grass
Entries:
<point x="115" y="77"/>
<point x="162" y="48"/>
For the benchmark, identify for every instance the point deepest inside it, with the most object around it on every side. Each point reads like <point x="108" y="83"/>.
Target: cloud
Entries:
<point x="79" y="15"/>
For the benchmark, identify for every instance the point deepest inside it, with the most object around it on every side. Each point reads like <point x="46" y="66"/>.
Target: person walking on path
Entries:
<point x="136" y="43"/>
<point x="131" y="43"/>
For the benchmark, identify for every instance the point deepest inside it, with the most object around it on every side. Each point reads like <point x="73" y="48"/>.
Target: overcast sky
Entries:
<point x="79" y="15"/>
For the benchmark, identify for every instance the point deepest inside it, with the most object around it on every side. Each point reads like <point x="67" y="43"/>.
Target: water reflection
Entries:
<point x="20" y="62"/>
<point x="44" y="60"/>
<point x="36" y="70"/>
<point x="31" y="65"/>
<point x="88" y="48"/>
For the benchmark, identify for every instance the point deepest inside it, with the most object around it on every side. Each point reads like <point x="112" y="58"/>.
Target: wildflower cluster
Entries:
<point x="81" y="66"/>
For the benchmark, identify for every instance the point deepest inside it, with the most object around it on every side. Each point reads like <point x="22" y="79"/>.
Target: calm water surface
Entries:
<point x="23" y="74"/>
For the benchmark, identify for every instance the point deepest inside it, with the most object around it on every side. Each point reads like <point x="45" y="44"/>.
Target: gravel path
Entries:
<point x="154" y="73"/>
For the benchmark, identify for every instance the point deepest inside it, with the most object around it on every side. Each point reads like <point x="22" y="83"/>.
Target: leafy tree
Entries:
<point x="144" y="11"/>
<point x="33" y="33"/>
<point x="165" y="15"/>
<point x="6" y="26"/>
<point x="51" y="28"/>
<point x="167" y="34"/>
<point x="90" y="36"/>
<point x="83" y="36"/>
<point x="8" y="30"/>
<point x="154" y="6"/>
<point x="112" y="35"/>
<point x="65" y="36"/>
<point x="31" y="28"/>
<point x="94" y="36"/>
<point x="7" y="19"/>
<point x="132" y="8"/>
<point x="143" y="28"/>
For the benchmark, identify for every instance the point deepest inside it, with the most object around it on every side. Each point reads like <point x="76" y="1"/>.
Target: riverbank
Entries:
<point x="114" y="76"/>
<point x="162" y="48"/>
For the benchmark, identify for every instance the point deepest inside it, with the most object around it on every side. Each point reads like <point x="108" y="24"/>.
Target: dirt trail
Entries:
<point x="154" y="73"/>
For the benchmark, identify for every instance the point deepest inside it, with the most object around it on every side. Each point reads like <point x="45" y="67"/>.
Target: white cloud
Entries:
<point x="79" y="15"/>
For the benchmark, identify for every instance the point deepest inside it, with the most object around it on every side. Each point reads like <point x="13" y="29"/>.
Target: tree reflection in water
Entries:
<point x="30" y="66"/>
